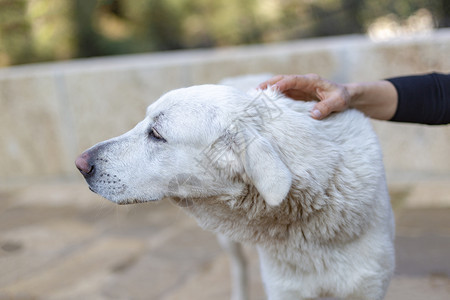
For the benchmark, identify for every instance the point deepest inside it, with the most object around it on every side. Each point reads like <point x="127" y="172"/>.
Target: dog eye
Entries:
<point x="155" y="135"/>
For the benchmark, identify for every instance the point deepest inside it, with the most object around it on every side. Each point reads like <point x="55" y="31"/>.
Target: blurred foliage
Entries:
<point x="44" y="30"/>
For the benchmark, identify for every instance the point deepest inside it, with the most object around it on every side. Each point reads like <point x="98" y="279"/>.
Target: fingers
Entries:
<point x="283" y="82"/>
<point x="291" y="82"/>
<point x="332" y="97"/>
<point x="300" y="87"/>
<point x="271" y="81"/>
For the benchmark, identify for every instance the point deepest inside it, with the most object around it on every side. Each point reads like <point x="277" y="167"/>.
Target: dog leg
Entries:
<point x="238" y="268"/>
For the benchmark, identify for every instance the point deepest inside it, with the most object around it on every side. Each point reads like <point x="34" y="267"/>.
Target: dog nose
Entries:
<point x="82" y="163"/>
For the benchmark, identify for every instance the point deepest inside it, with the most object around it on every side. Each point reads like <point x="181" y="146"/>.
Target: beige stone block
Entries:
<point x="285" y="58"/>
<point x="31" y="128"/>
<point x="413" y="148"/>
<point x="75" y="195"/>
<point x="322" y="62"/>
<point x="426" y="194"/>
<point x="107" y="103"/>
<point x="373" y="61"/>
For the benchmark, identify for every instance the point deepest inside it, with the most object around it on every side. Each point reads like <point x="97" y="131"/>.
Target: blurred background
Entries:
<point x="76" y="72"/>
<point x="47" y="30"/>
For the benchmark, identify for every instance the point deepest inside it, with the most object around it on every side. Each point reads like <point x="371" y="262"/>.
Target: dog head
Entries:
<point x="195" y="142"/>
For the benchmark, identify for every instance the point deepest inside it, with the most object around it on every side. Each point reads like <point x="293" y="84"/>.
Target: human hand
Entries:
<point x="332" y="97"/>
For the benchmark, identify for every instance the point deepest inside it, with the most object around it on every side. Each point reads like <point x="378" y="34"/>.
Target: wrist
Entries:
<point x="376" y="99"/>
<point x="355" y="92"/>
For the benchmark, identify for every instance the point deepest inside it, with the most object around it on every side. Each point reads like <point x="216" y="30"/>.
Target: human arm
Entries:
<point x="418" y="99"/>
<point x="376" y="99"/>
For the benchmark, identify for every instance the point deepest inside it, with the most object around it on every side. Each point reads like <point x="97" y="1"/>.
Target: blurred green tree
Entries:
<point x="16" y="45"/>
<point x="41" y="30"/>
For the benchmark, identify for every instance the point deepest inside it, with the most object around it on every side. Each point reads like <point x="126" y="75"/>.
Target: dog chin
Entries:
<point x="122" y="201"/>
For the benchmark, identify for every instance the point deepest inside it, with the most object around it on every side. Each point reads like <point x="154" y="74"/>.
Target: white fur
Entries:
<point x="256" y="168"/>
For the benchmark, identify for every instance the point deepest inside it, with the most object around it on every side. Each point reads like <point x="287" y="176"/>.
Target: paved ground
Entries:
<point x="60" y="241"/>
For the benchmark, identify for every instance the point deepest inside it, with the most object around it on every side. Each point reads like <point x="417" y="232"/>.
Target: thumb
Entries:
<point x="324" y="108"/>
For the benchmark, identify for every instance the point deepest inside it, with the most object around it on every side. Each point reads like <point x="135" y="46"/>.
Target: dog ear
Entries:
<point x="263" y="167"/>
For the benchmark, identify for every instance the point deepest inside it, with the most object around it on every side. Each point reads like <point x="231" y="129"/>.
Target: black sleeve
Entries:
<point x="423" y="99"/>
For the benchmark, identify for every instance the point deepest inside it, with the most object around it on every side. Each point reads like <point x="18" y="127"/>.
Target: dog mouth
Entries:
<point x="130" y="201"/>
<point x="109" y="191"/>
<point x="133" y="201"/>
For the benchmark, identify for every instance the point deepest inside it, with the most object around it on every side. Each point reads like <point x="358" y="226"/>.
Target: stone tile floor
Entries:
<point x="60" y="241"/>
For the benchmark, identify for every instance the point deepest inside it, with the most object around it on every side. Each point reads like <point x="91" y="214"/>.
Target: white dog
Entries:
<point x="256" y="168"/>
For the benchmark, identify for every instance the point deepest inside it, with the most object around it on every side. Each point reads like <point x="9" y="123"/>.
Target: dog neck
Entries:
<point x="248" y="218"/>
<point x="309" y="216"/>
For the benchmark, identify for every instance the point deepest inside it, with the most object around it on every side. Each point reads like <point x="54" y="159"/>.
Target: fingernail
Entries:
<point x="316" y="114"/>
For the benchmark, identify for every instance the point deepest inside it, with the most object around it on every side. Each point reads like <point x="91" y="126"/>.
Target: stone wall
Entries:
<point x="49" y="113"/>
